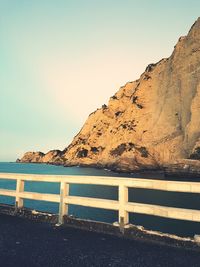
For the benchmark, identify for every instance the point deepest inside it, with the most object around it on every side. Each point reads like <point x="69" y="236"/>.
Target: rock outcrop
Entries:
<point x="148" y="123"/>
<point x="32" y="157"/>
<point x="38" y="157"/>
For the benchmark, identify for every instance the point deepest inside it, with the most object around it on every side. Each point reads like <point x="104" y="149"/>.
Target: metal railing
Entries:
<point x="122" y="205"/>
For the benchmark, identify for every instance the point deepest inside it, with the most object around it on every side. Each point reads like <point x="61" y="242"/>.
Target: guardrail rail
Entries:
<point x="122" y="205"/>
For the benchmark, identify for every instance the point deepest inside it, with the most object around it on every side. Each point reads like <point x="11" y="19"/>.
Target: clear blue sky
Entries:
<point x="62" y="59"/>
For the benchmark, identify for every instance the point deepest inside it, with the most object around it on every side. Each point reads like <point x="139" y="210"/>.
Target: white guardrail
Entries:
<point x="122" y="205"/>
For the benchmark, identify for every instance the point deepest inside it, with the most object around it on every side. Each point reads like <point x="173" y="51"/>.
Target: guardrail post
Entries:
<point x="123" y="199"/>
<point x="19" y="202"/>
<point x="63" y="207"/>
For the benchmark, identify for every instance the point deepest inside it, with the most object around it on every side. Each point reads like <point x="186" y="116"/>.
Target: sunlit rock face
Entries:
<point x="39" y="157"/>
<point x="148" y="123"/>
<point x="30" y="157"/>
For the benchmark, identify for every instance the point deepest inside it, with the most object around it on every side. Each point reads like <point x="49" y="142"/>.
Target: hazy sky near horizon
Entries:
<point x="61" y="60"/>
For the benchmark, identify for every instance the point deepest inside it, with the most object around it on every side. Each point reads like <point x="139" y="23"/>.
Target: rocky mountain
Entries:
<point x="148" y="123"/>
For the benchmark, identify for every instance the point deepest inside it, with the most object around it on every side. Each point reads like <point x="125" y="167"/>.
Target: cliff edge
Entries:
<point x="149" y="123"/>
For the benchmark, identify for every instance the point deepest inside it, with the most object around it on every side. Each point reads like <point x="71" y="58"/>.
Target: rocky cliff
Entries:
<point x="148" y="123"/>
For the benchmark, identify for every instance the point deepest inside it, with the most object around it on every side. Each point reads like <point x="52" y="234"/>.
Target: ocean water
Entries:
<point x="182" y="200"/>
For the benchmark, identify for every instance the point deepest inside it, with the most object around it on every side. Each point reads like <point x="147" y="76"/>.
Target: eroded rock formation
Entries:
<point x="148" y="123"/>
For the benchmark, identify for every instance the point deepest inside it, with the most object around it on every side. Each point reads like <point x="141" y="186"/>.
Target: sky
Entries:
<point x="62" y="59"/>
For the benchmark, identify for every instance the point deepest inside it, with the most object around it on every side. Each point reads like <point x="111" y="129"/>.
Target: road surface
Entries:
<point x="27" y="243"/>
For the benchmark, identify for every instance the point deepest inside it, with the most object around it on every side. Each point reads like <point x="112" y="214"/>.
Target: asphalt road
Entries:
<point x="27" y="243"/>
